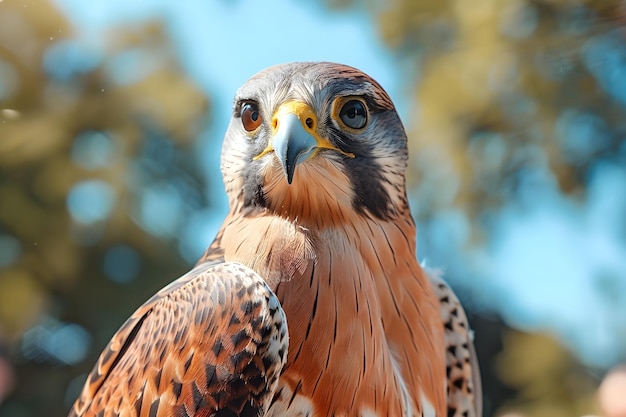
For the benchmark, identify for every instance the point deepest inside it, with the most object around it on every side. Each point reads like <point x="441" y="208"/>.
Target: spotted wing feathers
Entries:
<point x="462" y="370"/>
<point x="212" y="343"/>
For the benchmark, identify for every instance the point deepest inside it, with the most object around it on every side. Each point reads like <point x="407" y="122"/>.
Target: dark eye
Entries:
<point x="250" y="116"/>
<point x="354" y="114"/>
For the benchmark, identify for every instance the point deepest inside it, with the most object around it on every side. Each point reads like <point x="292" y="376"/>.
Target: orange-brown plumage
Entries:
<point x="199" y="344"/>
<point x="313" y="164"/>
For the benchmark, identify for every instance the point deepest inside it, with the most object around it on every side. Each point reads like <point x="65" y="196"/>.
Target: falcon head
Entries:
<point x="315" y="142"/>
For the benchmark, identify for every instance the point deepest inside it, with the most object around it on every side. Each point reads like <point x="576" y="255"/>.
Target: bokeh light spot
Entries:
<point x="581" y="135"/>
<point x="90" y="201"/>
<point x="66" y="59"/>
<point x="130" y="67"/>
<point x="121" y="264"/>
<point x="56" y="342"/>
<point x="160" y="210"/>
<point x="93" y="149"/>
<point x="10" y="250"/>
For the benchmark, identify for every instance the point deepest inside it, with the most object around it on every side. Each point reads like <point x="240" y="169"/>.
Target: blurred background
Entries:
<point x="112" y="114"/>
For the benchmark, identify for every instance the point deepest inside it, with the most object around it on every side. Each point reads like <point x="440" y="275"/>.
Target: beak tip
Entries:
<point x="289" y="171"/>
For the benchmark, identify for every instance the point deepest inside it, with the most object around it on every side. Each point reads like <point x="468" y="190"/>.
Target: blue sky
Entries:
<point x="540" y="267"/>
<point x="291" y="32"/>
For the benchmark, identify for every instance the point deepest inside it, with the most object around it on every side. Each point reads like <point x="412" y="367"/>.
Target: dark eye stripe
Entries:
<point x="365" y="173"/>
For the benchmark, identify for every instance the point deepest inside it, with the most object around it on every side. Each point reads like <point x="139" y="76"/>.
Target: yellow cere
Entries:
<point x="307" y="118"/>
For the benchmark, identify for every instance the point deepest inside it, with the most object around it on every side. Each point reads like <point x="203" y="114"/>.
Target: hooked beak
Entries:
<point x="294" y="137"/>
<point x="293" y="144"/>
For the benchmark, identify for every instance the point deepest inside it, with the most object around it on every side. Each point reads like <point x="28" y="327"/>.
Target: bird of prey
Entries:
<point x="311" y="300"/>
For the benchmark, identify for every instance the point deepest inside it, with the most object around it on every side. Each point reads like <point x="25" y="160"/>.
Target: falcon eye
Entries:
<point x="354" y="114"/>
<point x="250" y="116"/>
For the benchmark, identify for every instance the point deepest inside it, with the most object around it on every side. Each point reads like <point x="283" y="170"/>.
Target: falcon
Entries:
<point x="311" y="300"/>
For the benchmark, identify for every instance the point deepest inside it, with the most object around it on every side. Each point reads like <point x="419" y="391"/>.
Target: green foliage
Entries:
<point x="549" y="379"/>
<point x="507" y="80"/>
<point x="76" y="135"/>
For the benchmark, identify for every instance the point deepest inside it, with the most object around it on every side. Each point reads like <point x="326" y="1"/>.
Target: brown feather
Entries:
<point x="335" y="249"/>
<point x="215" y="339"/>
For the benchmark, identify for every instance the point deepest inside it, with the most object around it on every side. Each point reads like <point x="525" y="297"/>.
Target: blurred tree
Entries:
<point x="550" y="380"/>
<point x="98" y="176"/>
<point x="511" y="97"/>
<point x="501" y="86"/>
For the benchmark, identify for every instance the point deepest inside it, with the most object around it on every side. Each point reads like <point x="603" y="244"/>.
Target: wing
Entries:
<point x="211" y="343"/>
<point x="462" y="370"/>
